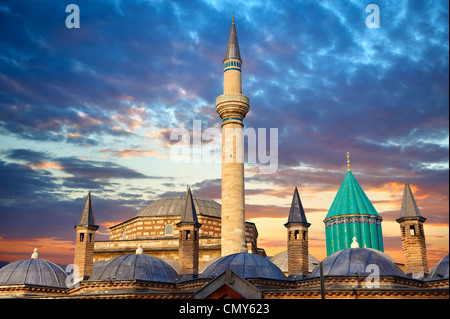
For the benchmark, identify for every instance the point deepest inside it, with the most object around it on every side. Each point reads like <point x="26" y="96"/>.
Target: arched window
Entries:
<point x="412" y="230"/>
<point x="168" y="230"/>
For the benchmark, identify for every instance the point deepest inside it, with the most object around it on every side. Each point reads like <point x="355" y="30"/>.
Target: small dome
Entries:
<point x="134" y="266"/>
<point x="440" y="271"/>
<point x="281" y="261"/>
<point x="245" y="265"/>
<point x="33" y="271"/>
<point x="352" y="261"/>
<point x="173" y="205"/>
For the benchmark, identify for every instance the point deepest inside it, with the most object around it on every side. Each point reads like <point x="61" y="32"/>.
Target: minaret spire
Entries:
<point x="87" y="216"/>
<point x="297" y="213"/>
<point x="233" y="45"/>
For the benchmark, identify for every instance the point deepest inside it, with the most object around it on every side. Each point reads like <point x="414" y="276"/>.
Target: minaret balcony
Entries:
<point x="232" y="106"/>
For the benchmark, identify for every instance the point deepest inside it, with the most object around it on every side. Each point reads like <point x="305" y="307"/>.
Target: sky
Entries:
<point x="92" y="109"/>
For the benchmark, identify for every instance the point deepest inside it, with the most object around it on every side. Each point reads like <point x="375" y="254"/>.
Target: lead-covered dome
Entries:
<point x="134" y="266"/>
<point x="33" y="271"/>
<point x="245" y="265"/>
<point x="440" y="271"/>
<point x="354" y="261"/>
<point x="173" y="205"/>
<point x="281" y="261"/>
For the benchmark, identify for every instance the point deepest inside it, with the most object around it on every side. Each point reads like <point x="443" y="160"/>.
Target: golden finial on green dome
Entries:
<point x="348" y="161"/>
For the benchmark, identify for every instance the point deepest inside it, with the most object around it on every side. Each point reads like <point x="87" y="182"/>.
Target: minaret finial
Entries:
<point x="348" y="161"/>
<point x="233" y="18"/>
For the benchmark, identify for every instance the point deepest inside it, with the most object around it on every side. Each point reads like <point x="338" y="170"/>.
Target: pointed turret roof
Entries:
<point x="297" y="213"/>
<point x="351" y="199"/>
<point x="233" y="46"/>
<point x="409" y="206"/>
<point x="188" y="213"/>
<point x="87" y="216"/>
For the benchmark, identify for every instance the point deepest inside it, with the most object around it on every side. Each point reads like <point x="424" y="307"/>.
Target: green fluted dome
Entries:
<point x="351" y="199"/>
<point x="352" y="215"/>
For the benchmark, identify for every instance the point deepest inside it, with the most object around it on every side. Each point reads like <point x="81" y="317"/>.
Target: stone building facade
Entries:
<point x="155" y="227"/>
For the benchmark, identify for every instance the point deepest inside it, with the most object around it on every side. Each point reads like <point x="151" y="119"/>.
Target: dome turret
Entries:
<point x="245" y="265"/>
<point x="134" y="266"/>
<point x="33" y="271"/>
<point x="440" y="271"/>
<point x="173" y="206"/>
<point x="355" y="261"/>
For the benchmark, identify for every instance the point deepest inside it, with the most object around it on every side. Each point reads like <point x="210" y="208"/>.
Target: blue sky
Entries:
<point x="92" y="109"/>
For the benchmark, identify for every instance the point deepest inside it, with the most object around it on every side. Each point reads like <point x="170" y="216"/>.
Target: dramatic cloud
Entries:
<point x="93" y="108"/>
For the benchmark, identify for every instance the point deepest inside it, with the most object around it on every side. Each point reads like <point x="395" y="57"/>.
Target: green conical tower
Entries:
<point x="352" y="215"/>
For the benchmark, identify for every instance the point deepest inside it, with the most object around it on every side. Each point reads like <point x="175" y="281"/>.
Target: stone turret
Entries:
<point x="413" y="236"/>
<point x="297" y="237"/>
<point x="84" y="242"/>
<point x="189" y="226"/>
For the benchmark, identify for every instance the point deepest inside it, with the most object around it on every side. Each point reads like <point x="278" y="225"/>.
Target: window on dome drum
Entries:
<point x="412" y="230"/>
<point x="168" y="230"/>
<point x="81" y="237"/>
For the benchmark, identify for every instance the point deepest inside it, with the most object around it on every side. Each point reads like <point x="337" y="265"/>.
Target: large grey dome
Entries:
<point x="440" y="271"/>
<point x="33" y="271"/>
<point x="173" y="205"/>
<point x="352" y="261"/>
<point x="281" y="261"/>
<point x="134" y="266"/>
<point x="245" y="265"/>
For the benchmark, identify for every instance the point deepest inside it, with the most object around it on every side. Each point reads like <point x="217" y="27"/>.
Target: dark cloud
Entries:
<point x="97" y="169"/>
<point x="210" y="188"/>
<point x="19" y="182"/>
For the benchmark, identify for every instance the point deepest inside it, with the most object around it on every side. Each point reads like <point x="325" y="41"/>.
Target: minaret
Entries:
<point x="232" y="107"/>
<point x="188" y="250"/>
<point x="413" y="236"/>
<point x="297" y="241"/>
<point x="84" y="243"/>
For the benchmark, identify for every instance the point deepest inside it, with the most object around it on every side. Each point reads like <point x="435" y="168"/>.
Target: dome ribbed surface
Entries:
<point x="281" y="261"/>
<point x="440" y="271"/>
<point x="245" y="265"/>
<point x="134" y="266"/>
<point x="351" y="199"/>
<point x="354" y="261"/>
<point x="33" y="271"/>
<point x="173" y="206"/>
